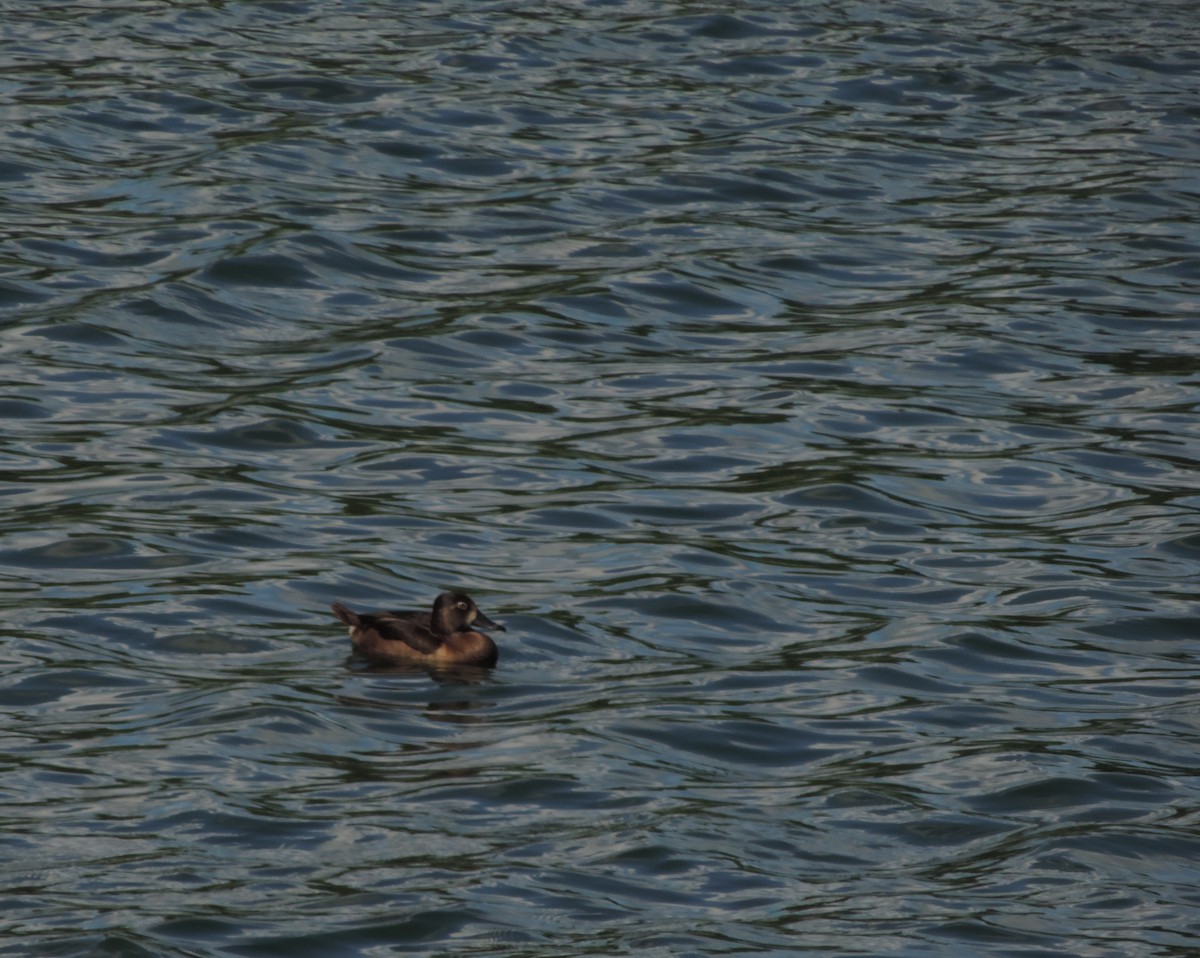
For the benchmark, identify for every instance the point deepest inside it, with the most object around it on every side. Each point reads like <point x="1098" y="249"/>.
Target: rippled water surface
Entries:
<point x="810" y="388"/>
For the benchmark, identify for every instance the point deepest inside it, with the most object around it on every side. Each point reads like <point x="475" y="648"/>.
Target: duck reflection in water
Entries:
<point x="444" y="637"/>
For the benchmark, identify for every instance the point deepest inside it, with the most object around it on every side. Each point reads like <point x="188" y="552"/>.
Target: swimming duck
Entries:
<point x="443" y="636"/>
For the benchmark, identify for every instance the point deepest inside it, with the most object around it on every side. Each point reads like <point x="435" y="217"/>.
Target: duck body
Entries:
<point x="444" y="636"/>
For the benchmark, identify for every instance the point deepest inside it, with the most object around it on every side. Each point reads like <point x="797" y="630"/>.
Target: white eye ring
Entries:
<point x="462" y="606"/>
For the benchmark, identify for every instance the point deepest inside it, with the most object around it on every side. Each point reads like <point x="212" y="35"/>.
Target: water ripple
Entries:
<point x="810" y="391"/>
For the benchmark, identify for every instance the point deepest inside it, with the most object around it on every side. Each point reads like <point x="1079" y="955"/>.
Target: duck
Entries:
<point x="444" y="636"/>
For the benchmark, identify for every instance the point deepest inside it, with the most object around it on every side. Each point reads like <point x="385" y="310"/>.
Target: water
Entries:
<point x="810" y="388"/>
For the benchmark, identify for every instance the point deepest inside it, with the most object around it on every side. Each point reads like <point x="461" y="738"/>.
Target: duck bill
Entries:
<point x="482" y="620"/>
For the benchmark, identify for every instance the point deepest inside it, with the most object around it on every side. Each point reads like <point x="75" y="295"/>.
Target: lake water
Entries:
<point x="811" y="389"/>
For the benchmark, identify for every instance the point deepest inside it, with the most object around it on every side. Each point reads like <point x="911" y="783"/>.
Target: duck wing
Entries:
<point x="411" y="628"/>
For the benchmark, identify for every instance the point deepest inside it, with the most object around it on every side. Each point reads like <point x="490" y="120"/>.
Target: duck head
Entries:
<point x="457" y="612"/>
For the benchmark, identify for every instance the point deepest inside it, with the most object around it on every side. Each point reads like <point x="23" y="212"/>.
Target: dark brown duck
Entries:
<point x="443" y="636"/>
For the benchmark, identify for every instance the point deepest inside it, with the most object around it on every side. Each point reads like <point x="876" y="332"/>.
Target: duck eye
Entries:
<point x="462" y="606"/>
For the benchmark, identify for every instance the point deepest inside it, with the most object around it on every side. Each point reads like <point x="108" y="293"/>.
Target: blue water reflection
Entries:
<point x="810" y="390"/>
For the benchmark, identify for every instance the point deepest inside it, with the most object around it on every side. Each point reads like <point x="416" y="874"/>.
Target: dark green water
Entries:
<point x="811" y="388"/>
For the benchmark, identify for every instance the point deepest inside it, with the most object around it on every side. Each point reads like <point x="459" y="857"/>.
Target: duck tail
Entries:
<point x="350" y="618"/>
